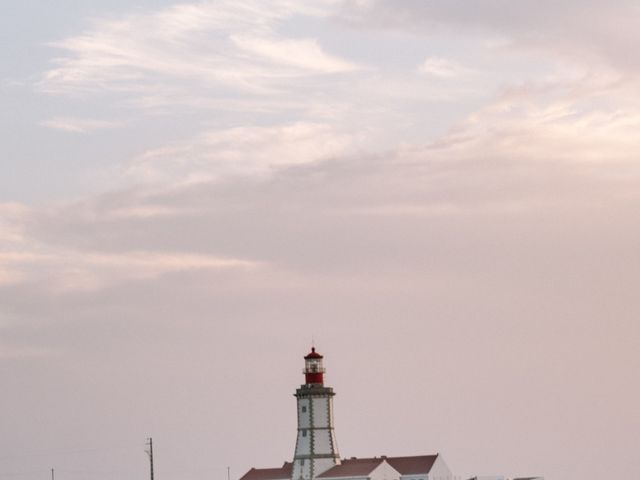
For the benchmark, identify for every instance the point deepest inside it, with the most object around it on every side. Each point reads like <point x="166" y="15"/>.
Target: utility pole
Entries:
<point x="52" y="475"/>
<point x="150" y="453"/>
<point x="228" y="473"/>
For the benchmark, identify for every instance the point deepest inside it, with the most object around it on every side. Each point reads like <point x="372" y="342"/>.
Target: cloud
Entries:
<point x="576" y="31"/>
<point x="304" y="54"/>
<point x="269" y="193"/>
<point x="78" y="125"/>
<point x="230" y="45"/>
<point x="509" y="230"/>
<point x="240" y="151"/>
<point x="512" y="230"/>
<point x="26" y="259"/>
<point x="582" y="122"/>
<point x="565" y="143"/>
<point x="68" y="270"/>
<point x="10" y="226"/>
<point x="64" y="271"/>
<point x="442" y="67"/>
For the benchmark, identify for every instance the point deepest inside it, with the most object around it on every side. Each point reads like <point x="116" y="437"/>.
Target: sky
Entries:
<point x="443" y="194"/>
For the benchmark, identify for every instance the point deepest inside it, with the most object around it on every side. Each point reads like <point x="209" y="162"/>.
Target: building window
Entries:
<point x="304" y="433"/>
<point x="304" y="409"/>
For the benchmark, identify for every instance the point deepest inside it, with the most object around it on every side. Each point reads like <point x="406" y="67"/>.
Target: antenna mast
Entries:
<point x="150" y="453"/>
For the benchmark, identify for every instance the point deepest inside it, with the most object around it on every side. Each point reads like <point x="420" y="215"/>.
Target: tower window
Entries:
<point x="304" y="433"/>
<point x="304" y="409"/>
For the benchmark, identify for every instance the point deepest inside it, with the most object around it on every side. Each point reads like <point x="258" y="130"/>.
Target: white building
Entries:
<point x="316" y="453"/>
<point x="422" y="467"/>
<point x="500" y="477"/>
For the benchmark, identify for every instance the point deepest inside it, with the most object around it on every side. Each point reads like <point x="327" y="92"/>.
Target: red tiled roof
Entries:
<point x="412" y="465"/>
<point x="353" y="467"/>
<point x="282" y="473"/>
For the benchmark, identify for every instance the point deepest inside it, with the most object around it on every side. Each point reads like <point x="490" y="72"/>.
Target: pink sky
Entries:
<point x="444" y="195"/>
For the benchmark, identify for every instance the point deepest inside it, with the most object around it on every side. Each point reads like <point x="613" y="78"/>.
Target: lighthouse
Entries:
<point x="316" y="449"/>
<point x="316" y="454"/>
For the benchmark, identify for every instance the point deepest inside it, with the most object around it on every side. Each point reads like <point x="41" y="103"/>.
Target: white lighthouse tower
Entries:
<point x="316" y="448"/>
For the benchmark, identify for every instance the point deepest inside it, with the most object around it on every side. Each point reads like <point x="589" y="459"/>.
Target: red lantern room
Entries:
<point x="313" y="369"/>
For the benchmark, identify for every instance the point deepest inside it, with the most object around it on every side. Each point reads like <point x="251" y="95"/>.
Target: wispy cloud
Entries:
<point x="218" y="44"/>
<point x="442" y="67"/>
<point x="579" y="122"/>
<point x="79" y="125"/>
<point x="575" y="31"/>
<point x="65" y="270"/>
<point x="11" y="227"/>
<point x="240" y="151"/>
<point x="306" y="55"/>
<point x="25" y="258"/>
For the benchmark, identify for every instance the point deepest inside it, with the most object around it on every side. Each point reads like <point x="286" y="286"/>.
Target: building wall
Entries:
<point x="322" y="426"/>
<point x="420" y="476"/>
<point x="303" y="444"/>
<point x="301" y="469"/>
<point x="304" y="412"/>
<point x="316" y="437"/>
<point x="315" y="430"/>
<point x="321" y="411"/>
<point x="384" y="471"/>
<point x="347" y="478"/>
<point x="321" y="465"/>
<point x="440" y="470"/>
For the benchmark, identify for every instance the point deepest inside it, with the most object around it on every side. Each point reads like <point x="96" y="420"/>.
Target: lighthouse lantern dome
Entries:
<point x="313" y="369"/>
